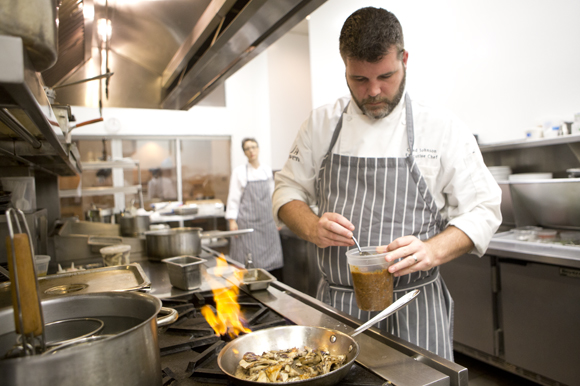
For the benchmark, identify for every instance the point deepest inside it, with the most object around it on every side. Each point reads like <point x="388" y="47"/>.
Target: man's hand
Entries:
<point x="417" y="255"/>
<point x="332" y="229"/>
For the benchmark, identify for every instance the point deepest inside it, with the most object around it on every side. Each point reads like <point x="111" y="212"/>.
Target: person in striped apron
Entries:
<point x="395" y="173"/>
<point x="249" y="205"/>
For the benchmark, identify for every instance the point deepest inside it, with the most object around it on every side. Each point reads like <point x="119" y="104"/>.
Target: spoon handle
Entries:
<point x="356" y="242"/>
<point x="387" y="311"/>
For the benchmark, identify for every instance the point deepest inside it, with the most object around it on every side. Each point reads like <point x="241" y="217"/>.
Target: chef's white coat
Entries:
<point x="239" y="180"/>
<point x="446" y="152"/>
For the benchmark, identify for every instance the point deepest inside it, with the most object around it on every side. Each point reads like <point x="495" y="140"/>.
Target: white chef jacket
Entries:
<point x="238" y="181"/>
<point x="446" y="153"/>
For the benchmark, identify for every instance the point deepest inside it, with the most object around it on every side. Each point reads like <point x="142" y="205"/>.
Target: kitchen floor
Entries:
<point x="483" y="374"/>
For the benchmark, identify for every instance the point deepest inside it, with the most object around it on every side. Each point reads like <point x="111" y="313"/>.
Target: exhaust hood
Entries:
<point x="167" y="54"/>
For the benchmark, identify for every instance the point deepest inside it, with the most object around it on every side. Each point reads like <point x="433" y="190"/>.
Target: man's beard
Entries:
<point x="389" y="105"/>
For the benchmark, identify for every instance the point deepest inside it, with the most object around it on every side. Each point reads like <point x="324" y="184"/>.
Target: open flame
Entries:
<point x="227" y="319"/>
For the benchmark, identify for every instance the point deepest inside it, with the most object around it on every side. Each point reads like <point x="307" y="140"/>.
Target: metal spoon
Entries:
<point x="360" y="251"/>
<point x="387" y="311"/>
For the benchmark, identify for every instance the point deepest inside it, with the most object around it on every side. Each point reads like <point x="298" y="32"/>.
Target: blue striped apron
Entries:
<point x="256" y="212"/>
<point x="385" y="198"/>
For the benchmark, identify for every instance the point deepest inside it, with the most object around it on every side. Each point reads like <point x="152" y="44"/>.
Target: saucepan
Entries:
<point x="287" y="337"/>
<point x="125" y="353"/>
<point x="184" y="241"/>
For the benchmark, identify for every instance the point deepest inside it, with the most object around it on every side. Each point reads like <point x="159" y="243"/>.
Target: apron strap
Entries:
<point x="409" y="122"/>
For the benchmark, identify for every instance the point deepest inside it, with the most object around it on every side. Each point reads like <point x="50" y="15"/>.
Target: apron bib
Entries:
<point x="264" y="242"/>
<point x="385" y="198"/>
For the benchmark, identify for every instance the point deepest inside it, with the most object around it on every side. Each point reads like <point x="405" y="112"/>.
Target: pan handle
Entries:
<point x="387" y="311"/>
<point x="166" y="316"/>
<point x="217" y="234"/>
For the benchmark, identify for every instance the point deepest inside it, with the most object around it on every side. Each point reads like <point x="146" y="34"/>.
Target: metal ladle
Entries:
<point x="360" y="251"/>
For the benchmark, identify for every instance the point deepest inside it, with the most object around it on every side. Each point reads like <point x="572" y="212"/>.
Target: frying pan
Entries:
<point x="286" y="337"/>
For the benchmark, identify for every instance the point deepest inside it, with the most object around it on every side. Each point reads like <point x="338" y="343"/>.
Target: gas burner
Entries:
<point x="189" y="347"/>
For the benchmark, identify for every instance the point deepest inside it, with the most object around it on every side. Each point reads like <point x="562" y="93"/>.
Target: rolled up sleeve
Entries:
<point x="472" y="195"/>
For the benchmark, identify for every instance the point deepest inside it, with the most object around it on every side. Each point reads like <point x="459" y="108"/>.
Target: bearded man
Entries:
<point x="398" y="175"/>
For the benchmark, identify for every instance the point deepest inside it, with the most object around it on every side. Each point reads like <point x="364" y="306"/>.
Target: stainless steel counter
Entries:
<point x="505" y="244"/>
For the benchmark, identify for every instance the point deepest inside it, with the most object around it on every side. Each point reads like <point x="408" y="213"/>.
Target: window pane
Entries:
<point x="205" y="168"/>
<point x="158" y="171"/>
<point x="90" y="151"/>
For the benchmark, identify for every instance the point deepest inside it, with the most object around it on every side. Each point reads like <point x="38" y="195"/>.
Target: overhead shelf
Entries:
<point x="117" y="164"/>
<point x="29" y="131"/>
<point x="125" y="163"/>
<point x="530" y="143"/>
<point x="100" y="191"/>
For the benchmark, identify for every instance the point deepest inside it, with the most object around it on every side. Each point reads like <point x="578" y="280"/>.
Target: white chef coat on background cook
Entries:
<point x="239" y="180"/>
<point x="446" y="152"/>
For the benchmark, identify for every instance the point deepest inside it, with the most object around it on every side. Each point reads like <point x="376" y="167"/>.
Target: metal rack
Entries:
<point x="29" y="132"/>
<point x="106" y="190"/>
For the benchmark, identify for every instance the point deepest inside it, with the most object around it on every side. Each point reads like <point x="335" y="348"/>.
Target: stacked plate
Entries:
<point x="530" y="176"/>
<point x="500" y="173"/>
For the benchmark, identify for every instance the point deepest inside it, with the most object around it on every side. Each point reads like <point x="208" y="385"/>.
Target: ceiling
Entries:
<point x="169" y="54"/>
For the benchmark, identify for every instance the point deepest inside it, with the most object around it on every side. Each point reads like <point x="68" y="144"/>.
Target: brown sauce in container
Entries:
<point x="373" y="290"/>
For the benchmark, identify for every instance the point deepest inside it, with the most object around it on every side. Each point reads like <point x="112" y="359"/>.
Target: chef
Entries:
<point x="249" y="205"/>
<point x="395" y="173"/>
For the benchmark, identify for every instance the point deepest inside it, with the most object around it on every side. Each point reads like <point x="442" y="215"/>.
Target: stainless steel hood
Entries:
<point x="168" y="54"/>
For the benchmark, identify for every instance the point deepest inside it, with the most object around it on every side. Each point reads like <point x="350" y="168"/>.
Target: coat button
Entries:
<point x="349" y="118"/>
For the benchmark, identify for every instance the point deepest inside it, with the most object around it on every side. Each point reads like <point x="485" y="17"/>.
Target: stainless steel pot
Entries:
<point x="133" y="225"/>
<point x="99" y="215"/>
<point x="127" y="354"/>
<point x="35" y="21"/>
<point x="183" y="241"/>
<point x="286" y="337"/>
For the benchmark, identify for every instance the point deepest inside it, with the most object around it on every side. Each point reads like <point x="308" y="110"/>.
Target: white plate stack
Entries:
<point x="500" y="173"/>
<point x="530" y="176"/>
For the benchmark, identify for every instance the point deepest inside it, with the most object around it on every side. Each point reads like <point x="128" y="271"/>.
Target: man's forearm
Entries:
<point x="301" y="220"/>
<point x="449" y="244"/>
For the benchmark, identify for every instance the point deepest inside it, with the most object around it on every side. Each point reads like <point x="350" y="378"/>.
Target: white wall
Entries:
<point x="290" y="95"/>
<point x="501" y="66"/>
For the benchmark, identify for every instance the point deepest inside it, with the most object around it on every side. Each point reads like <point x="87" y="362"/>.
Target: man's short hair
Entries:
<point x="249" y="140"/>
<point x="369" y="33"/>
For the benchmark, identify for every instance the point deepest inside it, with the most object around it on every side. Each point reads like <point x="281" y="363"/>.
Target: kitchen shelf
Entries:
<point x="100" y="191"/>
<point x="121" y="164"/>
<point x="107" y="190"/>
<point x="530" y="143"/>
<point x="29" y="130"/>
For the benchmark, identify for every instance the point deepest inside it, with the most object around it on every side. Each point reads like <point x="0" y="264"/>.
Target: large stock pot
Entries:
<point x="35" y="21"/>
<point x="126" y="353"/>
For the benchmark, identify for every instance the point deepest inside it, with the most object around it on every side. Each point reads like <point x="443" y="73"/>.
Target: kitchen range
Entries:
<point x="189" y="347"/>
<point x="382" y="357"/>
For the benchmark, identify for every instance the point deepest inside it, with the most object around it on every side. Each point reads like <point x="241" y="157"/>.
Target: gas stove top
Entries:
<point x="189" y="347"/>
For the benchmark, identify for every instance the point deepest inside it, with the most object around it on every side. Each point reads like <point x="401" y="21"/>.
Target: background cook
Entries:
<point x="249" y="205"/>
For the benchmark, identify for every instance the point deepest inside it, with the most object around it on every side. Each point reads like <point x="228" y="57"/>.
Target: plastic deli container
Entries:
<point x="184" y="271"/>
<point x="117" y="254"/>
<point x="373" y="283"/>
<point x="41" y="263"/>
<point x="546" y="235"/>
<point x="527" y="233"/>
